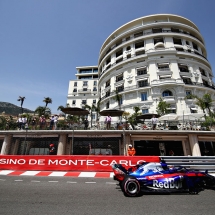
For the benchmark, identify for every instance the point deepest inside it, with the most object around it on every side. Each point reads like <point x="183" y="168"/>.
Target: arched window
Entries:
<point x="166" y="93"/>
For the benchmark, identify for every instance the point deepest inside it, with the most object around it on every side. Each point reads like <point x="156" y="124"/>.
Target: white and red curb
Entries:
<point x="57" y="173"/>
<point x="60" y="173"/>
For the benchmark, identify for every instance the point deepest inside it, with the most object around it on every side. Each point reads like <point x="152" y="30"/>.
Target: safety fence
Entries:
<point x="98" y="163"/>
<point x="201" y="163"/>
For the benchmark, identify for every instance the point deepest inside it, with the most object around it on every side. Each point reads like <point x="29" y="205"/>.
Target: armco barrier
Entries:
<point x="70" y="162"/>
<point x="198" y="163"/>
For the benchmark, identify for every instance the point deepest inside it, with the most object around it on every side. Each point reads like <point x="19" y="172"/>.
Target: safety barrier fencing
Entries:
<point x="98" y="162"/>
<point x="87" y="163"/>
<point x="201" y="163"/>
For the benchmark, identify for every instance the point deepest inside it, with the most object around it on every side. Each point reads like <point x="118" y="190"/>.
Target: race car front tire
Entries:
<point x="130" y="187"/>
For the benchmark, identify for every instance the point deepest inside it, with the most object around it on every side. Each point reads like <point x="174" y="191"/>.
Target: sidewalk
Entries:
<point x="57" y="173"/>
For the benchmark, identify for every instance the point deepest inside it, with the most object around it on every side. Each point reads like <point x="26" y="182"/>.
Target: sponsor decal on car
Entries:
<point x="168" y="183"/>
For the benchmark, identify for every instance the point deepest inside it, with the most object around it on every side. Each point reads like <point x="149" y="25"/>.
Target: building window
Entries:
<point x="95" y="70"/>
<point x="119" y="53"/>
<point x="158" y="40"/>
<point x="85" y="83"/>
<point x="145" y="111"/>
<point x="85" y="71"/>
<point x="75" y="84"/>
<point x="141" y="71"/>
<point x="143" y="83"/>
<point x="108" y="61"/>
<point x="107" y="105"/>
<point x="139" y="44"/>
<point x="73" y="102"/>
<point x="156" y="30"/>
<point x="74" y="90"/>
<point x="183" y="68"/>
<point x="138" y="34"/>
<point x="167" y="93"/>
<point x="163" y="66"/>
<point x="175" y="30"/>
<point x="195" y="46"/>
<point x="144" y="97"/>
<point x="202" y="71"/>
<point x="84" y="89"/>
<point x="120" y="88"/>
<point x="187" y="80"/>
<point x="84" y="102"/>
<point x="177" y="41"/>
<point x="95" y="83"/>
<point x="94" y="89"/>
<point x="119" y="77"/>
<point x="205" y="83"/>
<point x="107" y="94"/>
<point x="107" y="83"/>
<point x="94" y="101"/>
<point x="188" y="92"/>
<point x="93" y="116"/>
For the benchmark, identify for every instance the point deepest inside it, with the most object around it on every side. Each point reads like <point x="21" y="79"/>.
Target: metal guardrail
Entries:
<point x="201" y="163"/>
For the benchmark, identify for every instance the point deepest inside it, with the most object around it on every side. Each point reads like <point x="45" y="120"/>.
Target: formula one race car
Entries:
<point x="158" y="177"/>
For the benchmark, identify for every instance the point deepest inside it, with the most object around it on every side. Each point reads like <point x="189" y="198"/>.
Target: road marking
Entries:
<point x="110" y="182"/>
<point x="18" y="180"/>
<point x="53" y="181"/>
<point x="34" y="181"/>
<point x="30" y="173"/>
<point x="2" y="179"/>
<point x="87" y="174"/>
<point x="90" y="182"/>
<point x="71" y="182"/>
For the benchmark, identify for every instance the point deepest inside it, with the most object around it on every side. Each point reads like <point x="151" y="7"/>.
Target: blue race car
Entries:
<point x="158" y="177"/>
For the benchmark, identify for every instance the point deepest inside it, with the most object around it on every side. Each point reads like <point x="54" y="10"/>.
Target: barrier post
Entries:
<point x="6" y="144"/>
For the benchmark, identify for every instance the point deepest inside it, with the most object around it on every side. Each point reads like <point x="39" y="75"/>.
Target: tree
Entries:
<point x="47" y="101"/>
<point x="205" y="103"/>
<point x="133" y="118"/>
<point x="21" y="99"/>
<point x="118" y="98"/>
<point x="60" y="107"/>
<point x="91" y="109"/>
<point x="162" y="107"/>
<point x="97" y="109"/>
<point x="40" y="110"/>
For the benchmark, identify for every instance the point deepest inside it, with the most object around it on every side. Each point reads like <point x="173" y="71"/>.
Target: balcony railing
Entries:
<point x="84" y="91"/>
<point x="151" y="32"/>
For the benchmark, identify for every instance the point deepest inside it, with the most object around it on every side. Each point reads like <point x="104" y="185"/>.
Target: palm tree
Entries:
<point x="60" y="107"/>
<point x="21" y="99"/>
<point x="162" y="107"/>
<point x="118" y="98"/>
<point x="40" y="110"/>
<point x="91" y="109"/>
<point x="205" y="103"/>
<point x="97" y="109"/>
<point x="47" y="100"/>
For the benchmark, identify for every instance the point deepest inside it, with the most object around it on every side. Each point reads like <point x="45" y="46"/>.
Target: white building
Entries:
<point x="84" y="90"/>
<point x="148" y="58"/>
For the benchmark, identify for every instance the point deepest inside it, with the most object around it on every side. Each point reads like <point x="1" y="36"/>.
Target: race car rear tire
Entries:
<point x="131" y="187"/>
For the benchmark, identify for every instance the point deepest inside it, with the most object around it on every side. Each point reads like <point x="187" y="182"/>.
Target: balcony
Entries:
<point x="169" y="99"/>
<point x="185" y="74"/>
<point x="84" y="91"/>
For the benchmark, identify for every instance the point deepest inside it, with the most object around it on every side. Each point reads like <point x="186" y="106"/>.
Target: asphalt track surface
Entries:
<point x="89" y="196"/>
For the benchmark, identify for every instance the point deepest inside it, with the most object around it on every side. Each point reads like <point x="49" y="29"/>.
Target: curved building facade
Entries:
<point x="153" y="57"/>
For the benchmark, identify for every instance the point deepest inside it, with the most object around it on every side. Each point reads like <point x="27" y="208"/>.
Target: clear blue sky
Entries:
<point x="43" y="41"/>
